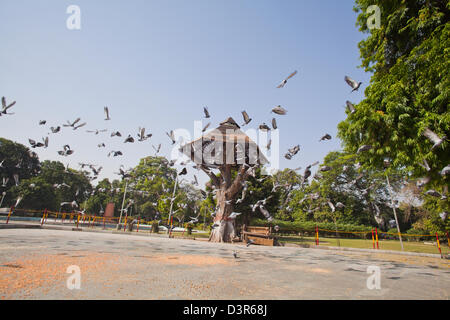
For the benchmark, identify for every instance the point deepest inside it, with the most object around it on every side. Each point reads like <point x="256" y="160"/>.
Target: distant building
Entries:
<point x="109" y="212"/>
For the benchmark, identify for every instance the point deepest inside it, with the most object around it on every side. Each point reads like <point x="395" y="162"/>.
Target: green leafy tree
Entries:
<point x="53" y="185"/>
<point x="409" y="88"/>
<point x="37" y="194"/>
<point x="15" y="159"/>
<point x="359" y="189"/>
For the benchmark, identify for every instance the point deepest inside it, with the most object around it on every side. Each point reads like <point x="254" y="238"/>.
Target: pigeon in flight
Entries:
<point x="157" y="149"/>
<point x="283" y="83"/>
<point x="279" y="110"/>
<point x="101" y="145"/>
<point x="274" y="124"/>
<point x="434" y="138"/>
<point x="425" y="165"/>
<point x="433" y="193"/>
<point x="116" y="133"/>
<point x="352" y="83"/>
<point x="445" y="171"/>
<point x="142" y="136"/>
<point x="35" y="144"/>
<point x="66" y="152"/>
<point x="307" y="172"/>
<point x="183" y="172"/>
<point x="42" y="122"/>
<point x="96" y="131"/>
<point x="115" y="153"/>
<point x="72" y="124"/>
<point x="195" y="182"/>
<point x="325" y="137"/>
<point x="129" y="139"/>
<point x="264" y="127"/>
<point x="55" y="130"/>
<point x="423" y="181"/>
<point x="331" y="205"/>
<point x="96" y="172"/>
<point x="294" y="150"/>
<point x="269" y="144"/>
<point x="106" y="110"/>
<point x="350" y="107"/>
<point x="247" y="119"/>
<point x="340" y="205"/>
<point x="266" y="213"/>
<point x="249" y="242"/>
<point x="234" y="215"/>
<point x="45" y="142"/>
<point x="5" y="107"/>
<point x="206" y="127"/>
<point x="364" y="148"/>
<point x="79" y="126"/>
<point x="124" y="174"/>
<point x="205" y="110"/>
<point x="171" y="135"/>
<point x="16" y="179"/>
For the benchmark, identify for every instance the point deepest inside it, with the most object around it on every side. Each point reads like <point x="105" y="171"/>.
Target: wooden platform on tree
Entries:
<point x="259" y="235"/>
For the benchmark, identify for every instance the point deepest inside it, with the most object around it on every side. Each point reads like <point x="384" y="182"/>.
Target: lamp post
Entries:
<point x="395" y="213"/>
<point x="171" y="201"/>
<point x="123" y="202"/>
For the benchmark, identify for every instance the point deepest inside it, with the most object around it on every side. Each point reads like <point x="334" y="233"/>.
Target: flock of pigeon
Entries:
<point x="278" y="110"/>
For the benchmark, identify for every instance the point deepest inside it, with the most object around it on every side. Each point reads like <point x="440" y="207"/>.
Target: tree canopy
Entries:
<point x="409" y="88"/>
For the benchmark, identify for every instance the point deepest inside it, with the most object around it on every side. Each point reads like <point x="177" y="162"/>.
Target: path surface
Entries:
<point x="33" y="265"/>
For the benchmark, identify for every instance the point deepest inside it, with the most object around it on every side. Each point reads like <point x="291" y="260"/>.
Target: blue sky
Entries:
<point x="158" y="63"/>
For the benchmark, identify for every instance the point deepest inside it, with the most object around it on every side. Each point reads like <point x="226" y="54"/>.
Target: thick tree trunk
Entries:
<point x="225" y="230"/>
<point x="226" y="191"/>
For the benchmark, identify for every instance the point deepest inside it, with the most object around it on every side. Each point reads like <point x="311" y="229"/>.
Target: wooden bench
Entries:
<point x="259" y="235"/>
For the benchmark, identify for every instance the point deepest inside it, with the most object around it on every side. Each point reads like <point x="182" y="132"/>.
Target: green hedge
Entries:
<point x="309" y="227"/>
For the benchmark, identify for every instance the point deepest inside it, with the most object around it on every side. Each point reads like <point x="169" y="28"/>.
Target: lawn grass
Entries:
<point x="410" y="246"/>
<point x="191" y="236"/>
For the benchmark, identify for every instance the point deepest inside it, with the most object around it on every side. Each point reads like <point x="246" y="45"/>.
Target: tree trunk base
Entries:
<point x="223" y="233"/>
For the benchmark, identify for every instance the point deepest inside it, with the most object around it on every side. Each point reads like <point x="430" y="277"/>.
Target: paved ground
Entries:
<point x="33" y="265"/>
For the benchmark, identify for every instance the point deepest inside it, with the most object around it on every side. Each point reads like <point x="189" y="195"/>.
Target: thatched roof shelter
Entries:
<point x="225" y="145"/>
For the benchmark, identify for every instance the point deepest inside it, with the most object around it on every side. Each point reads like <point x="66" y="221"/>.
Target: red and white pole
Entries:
<point x="43" y="217"/>
<point x="439" y="245"/>
<point x="376" y="234"/>
<point x="9" y="214"/>
<point x="373" y="240"/>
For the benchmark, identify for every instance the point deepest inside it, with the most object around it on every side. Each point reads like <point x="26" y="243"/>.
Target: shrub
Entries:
<point x="309" y="227"/>
<point x="417" y="232"/>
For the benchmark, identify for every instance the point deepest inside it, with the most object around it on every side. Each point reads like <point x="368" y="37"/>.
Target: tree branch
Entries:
<point x="226" y="174"/>
<point x="215" y="180"/>
<point x="237" y="183"/>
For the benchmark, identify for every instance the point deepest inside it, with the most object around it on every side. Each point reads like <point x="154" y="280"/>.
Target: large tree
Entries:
<point x="363" y="192"/>
<point x="53" y="185"/>
<point x="17" y="161"/>
<point x="409" y="89"/>
<point x="235" y="156"/>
